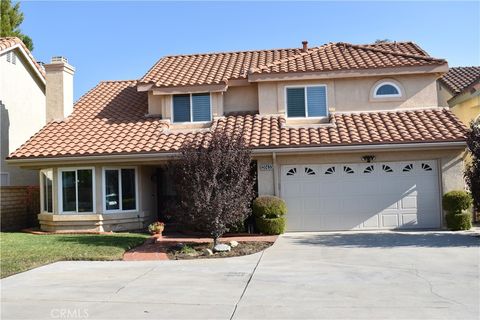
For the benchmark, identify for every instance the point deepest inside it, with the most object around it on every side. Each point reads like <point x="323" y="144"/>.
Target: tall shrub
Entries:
<point x="214" y="183"/>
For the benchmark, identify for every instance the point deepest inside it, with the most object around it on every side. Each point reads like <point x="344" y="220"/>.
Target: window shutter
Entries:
<point x="296" y="102"/>
<point x="181" y="108"/>
<point x="317" y="101"/>
<point x="201" y="107"/>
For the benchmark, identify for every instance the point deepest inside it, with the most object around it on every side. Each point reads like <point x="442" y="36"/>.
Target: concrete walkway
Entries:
<point x="432" y="275"/>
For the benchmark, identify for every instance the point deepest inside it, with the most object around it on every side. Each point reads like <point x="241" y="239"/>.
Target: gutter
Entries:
<point x="263" y="151"/>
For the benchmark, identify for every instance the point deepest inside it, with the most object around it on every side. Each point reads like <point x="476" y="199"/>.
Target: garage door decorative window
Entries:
<point x="309" y="171"/>
<point x="292" y="172"/>
<point x="330" y="170"/>
<point x="387" y="168"/>
<point x="408" y="168"/>
<point x="347" y="170"/>
<point x="426" y="167"/>
<point x="369" y="169"/>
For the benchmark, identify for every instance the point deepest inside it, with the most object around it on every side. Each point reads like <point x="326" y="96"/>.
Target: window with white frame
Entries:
<point x="307" y="101"/>
<point x="76" y="190"/>
<point x="387" y="89"/>
<point x="120" y="189"/>
<point x="46" y="185"/>
<point x="194" y="107"/>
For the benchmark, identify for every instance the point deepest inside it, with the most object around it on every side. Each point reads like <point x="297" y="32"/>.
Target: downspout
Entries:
<point x="275" y="174"/>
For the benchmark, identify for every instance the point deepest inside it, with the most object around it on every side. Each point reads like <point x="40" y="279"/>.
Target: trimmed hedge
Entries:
<point x="461" y="221"/>
<point x="269" y="207"/>
<point x="456" y="201"/>
<point x="271" y="226"/>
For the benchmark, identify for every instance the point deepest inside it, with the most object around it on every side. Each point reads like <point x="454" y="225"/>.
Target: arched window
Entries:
<point x="387" y="89"/>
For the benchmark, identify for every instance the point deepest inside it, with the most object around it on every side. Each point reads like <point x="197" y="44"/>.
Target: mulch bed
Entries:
<point x="196" y="250"/>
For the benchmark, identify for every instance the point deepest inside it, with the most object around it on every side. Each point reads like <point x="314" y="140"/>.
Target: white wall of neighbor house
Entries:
<point x="22" y="113"/>
<point x="450" y="163"/>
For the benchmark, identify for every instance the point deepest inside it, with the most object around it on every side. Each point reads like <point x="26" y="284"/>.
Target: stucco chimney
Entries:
<point x="59" y="92"/>
<point x="305" y="46"/>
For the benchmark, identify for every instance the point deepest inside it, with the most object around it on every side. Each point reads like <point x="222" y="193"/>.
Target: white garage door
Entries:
<point x="361" y="196"/>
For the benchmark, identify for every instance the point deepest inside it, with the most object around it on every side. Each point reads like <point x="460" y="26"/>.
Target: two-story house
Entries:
<point x="22" y="107"/>
<point x="351" y="136"/>
<point x="459" y="89"/>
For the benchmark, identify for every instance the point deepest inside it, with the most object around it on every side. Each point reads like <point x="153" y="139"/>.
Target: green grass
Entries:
<point x="24" y="251"/>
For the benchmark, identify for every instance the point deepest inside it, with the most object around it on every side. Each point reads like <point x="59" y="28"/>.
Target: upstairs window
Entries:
<point x="387" y="90"/>
<point x="310" y="101"/>
<point x="192" y="107"/>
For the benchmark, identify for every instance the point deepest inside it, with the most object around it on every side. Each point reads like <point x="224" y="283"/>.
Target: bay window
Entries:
<point x="120" y="189"/>
<point x="46" y="190"/>
<point x="76" y="190"/>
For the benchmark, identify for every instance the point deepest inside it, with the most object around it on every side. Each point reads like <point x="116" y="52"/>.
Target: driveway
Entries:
<point x="390" y="275"/>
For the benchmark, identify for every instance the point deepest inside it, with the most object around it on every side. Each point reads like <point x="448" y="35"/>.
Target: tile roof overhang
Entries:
<point x="459" y="79"/>
<point x="220" y="68"/>
<point x="110" y="121"/>
<point x="12" y="43"/>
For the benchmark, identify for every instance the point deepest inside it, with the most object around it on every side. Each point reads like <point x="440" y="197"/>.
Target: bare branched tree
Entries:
<point x="214" y="184"/>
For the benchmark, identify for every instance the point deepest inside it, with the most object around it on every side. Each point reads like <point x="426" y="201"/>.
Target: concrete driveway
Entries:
<point x="390" y="275"/>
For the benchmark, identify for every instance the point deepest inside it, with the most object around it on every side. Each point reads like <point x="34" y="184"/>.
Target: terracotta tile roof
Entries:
<point x="459" y="78"/>
<point x="9" y="42"/>
<point x="345" y="56"/>
<point x="110" y="119"/>
<point x="218" y="68"/>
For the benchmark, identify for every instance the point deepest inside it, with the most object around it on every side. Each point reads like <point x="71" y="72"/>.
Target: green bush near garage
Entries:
<point x="269" y="212"/>
<point x="456" y="203"/>
<point x="269" y="207"/>
<point x="461" y="221"/>
<point x="271" y="225"/>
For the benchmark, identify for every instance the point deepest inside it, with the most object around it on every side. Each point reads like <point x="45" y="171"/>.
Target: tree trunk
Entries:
<point x="215" y="241"/>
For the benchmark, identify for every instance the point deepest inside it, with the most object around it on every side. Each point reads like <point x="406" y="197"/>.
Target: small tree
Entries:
<point x="10" y="20"/>
<point x="472" y="172"/>
<point x="214" y="183"/>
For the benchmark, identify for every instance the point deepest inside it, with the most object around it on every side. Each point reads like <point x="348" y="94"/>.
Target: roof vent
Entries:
<point x="305" y="45"/>
<point x="59" y="59"/>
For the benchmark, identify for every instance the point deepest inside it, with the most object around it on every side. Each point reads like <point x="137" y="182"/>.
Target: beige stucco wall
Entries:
<point x="450" y="163"/>
<point x="241" y="99"/>
<point x="443" y="95"/>
<point x="22" y="113"/>
<point x="354" y="94"/>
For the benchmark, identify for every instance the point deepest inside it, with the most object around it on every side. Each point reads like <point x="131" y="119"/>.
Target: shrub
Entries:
<point x="269" y="207"/>
<point x="271" y="226"/>
<point x="454" y="202"/>
<point x="472" y="172"/>
<point x="461" y="221"/>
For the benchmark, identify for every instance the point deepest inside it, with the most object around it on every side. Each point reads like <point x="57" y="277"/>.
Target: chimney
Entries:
<point x="59" y="92"/>
<point x="305" y="46"/>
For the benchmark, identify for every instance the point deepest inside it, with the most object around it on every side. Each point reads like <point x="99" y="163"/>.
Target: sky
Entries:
<point x="114" y="40"/>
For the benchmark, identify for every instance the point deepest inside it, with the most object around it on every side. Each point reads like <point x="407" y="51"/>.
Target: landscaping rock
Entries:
<point x="178" y="246"/>
<point x="221" y="247"/>
<point x="207" y="252"/>
<point x="233" y="243"/>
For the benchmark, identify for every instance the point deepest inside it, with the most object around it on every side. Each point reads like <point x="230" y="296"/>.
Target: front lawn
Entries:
<point x="24" y="251"/>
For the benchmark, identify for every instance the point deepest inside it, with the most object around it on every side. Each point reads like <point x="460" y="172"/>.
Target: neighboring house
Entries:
<point x="351" y="136"/>
<point x="459" y="89"/>
<point x="22" y="106"/>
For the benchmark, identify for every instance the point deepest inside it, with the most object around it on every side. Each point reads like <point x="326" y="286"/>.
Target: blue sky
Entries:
<point x="122" y="40"/>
